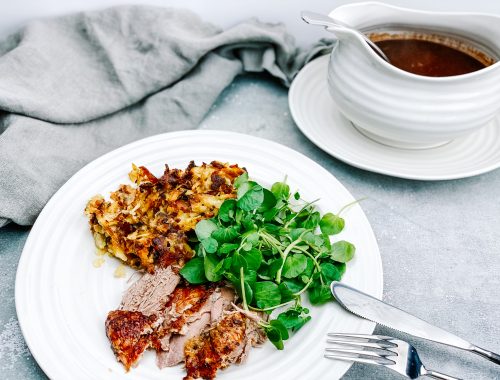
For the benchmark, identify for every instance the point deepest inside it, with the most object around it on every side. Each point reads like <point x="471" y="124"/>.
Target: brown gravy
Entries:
<point x="429" y="58"/>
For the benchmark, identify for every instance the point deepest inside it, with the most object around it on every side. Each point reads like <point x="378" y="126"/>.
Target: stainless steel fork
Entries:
<point x="382" y="350"/>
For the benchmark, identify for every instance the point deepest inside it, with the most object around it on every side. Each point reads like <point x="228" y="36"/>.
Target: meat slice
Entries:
<point x="225" y="344"/>
<point x="175" y="313"/>
<point x="187" y="314"/>
<point x="223" y="300"/>
<point x="133" y="329"/>
<point x="130" y="334"/>
<point x="151" y="292"/>
<point x="228" y="338"/>
<point x="255" y="337"/>
<point x="186" y="304"/>
<point x="190" y="311"/>
<point x="174" y="343"/>
<point x="201" y="359"/>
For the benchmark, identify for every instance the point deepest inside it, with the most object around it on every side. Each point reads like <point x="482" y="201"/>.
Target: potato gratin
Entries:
<point x="145" y="225"/>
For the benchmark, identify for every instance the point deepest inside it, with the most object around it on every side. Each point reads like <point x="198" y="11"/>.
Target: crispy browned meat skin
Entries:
<point x="201" y="359"/>
<point x="163" y="323"/>
<point x="186" y="301"/>
<point x="145" y="225"/>
<point x="219" y="347"/>
<point x="190" y="311"/>
<point x="130" y="334"/>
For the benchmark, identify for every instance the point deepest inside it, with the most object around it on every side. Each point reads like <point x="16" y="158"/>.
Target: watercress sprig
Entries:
<point x="273" y="250"/>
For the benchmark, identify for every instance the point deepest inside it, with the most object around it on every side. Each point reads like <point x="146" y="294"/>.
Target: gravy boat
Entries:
<point x="401" y="109"/>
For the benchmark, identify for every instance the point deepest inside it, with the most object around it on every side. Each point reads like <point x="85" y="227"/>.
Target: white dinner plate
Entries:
<point x="62" y="300"/>
<point x="320" y="120"/>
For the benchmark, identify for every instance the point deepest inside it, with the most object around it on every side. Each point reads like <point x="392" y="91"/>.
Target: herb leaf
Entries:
<point x="228" y="248"/>
<point x="331" y="224"/>
<point x="227" y="210"/>
<point x="274" y="336"/>
<point x="194" y="271"/>
<point x="204" y="229"/>
<point x="320" y="295"/>
<point x="281" y="190"/>
<point x="210" y="264"/>
<point x="269" y="201"/>
<point x="293" y="319"/>
<point x="251" y="199"/>
<point x="329" y="272"/>
<point x="225" y="234"/>
<point x="277" y="333"/>
<point x="342" y="251"/>
<point x="278" y="325"/>
<point x="267" y="294"/>
<point x="210" y="244"/>
<point x="253" y="258"/>
<point x="240" y="180"/>
<point x="294" y="265"/>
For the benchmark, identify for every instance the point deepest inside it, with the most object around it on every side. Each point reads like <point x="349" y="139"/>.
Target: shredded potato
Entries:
<point x="145" y="224"/>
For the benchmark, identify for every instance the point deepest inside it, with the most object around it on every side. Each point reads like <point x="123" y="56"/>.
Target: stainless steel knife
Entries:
<point x="387" y="315"/>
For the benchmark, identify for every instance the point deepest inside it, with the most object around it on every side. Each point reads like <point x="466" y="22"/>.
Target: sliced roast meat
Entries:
<point x="224" y="344"/>
<point x="228" y="338"/>
<point x="187" y="314"/>
<point x="186" y="304"/>
<point x="130" y="333"/>
<point x="255" y="337"/>
<point x="151" y="292"/>
<point x="175" y="351"/>
<point x="157" y="312"/>
<point x="224" y="297"/>
<point x="190" y="311"/>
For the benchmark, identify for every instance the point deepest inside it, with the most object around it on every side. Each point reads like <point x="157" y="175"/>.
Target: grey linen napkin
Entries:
<point x="75" y="87"/>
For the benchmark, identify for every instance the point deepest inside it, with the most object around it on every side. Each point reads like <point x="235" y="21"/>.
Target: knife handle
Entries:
<point x="495" y="358"/>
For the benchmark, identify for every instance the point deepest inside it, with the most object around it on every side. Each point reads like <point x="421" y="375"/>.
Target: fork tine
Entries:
<point x="359" y="343"/>
<point x="361" y="349"/>
<point x="362" y="339"/>
<point x="358" y="360"/>
<point x="364" y="336"/>
<point x="357" y="357"/>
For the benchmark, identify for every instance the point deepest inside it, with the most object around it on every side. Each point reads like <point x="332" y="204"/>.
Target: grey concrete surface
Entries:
<point x="439" y="241"/>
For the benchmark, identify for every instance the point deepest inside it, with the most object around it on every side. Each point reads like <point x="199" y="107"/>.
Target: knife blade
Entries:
<point x="373" y="309"/>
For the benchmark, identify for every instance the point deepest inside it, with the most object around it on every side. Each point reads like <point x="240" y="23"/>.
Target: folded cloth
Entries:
<point x="75" y="87"/>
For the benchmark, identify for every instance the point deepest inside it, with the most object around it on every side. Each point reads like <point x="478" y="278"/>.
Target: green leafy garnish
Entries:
<point x="342" y="251"/>
<point x="273" y="248"/>
<point x="293" y="319"/>
<point x="194" y="271"/>
<point x="267" y="294"/>
<point x="331" y="224"/>
<point x="295" y="265"/>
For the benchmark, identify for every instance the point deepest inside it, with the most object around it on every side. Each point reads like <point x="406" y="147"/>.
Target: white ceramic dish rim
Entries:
<point x="375" y="169"/>
<point x="48" y="369"/>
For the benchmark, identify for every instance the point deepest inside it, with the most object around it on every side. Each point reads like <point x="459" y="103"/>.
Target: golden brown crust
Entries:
<point x="228" y="336"/>
<point x="145" y="225"/>
<point x="130" y="334"/>
<point x="185" y="302"/>
<point x="216" y="348"/>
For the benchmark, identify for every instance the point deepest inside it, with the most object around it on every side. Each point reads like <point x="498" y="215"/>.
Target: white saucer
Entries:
<point x="319" y="119"/>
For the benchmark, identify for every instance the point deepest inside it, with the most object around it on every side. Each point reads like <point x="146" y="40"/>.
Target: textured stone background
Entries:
<point x="439" y="241"/>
